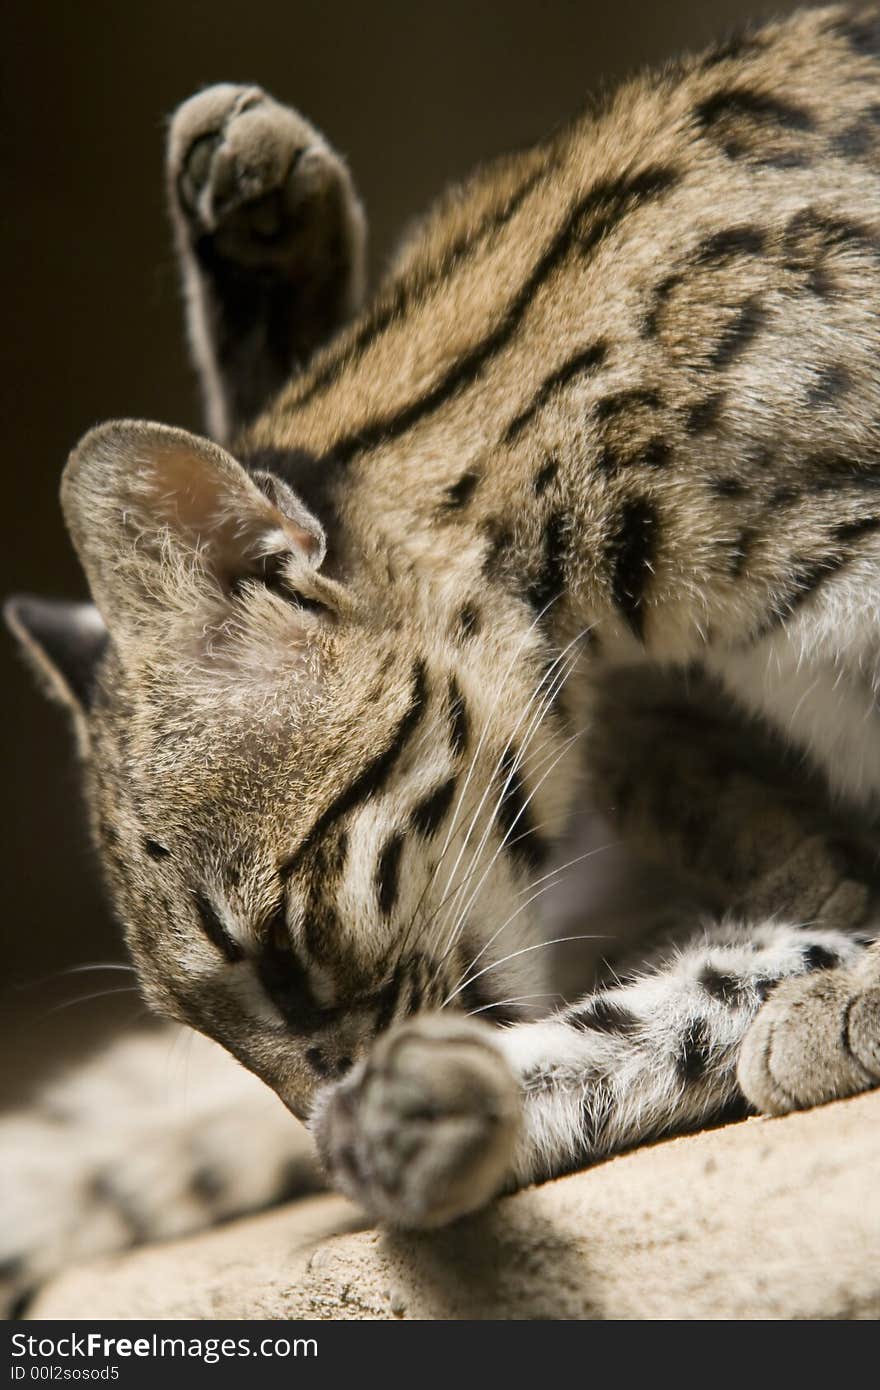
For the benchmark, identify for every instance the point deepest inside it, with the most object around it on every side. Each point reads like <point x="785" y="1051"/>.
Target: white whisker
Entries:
<point x="538" y="946"/>
<point x="97" y="965"/>
<point x="569" y="864"/>
<point x="514" y="999"/>
<point x="87" y="998"/>
<point x="548" y="697"/>
<point x="71" y="970"/>
<point x="483" y="736"/>
<point x="547" y="886"/>
<point x="456" y="930"/>
<point x="490" y="780"/>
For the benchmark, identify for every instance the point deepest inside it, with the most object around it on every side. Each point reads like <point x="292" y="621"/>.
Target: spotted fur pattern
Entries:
<point x="153" y="1138"/>
<point x="595" y="469"/>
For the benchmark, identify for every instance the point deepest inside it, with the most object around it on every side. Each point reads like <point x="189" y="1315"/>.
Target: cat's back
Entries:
<point x="723" y="206"/>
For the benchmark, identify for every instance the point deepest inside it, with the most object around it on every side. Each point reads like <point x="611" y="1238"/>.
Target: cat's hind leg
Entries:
<point x="271" y="238"/>
<point x="158" y="1135"/>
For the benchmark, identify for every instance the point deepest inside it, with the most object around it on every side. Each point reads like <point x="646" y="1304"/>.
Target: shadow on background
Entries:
<point x="413" y="95"/>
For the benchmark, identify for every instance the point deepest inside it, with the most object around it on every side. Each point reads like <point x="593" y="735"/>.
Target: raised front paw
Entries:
<point x="256" y="184"/>
<point x="816" y="1039"/>
<point x="423" y="1131"/>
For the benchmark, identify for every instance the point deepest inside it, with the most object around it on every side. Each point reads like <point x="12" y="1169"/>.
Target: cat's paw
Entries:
<point x="817" y="1038"/>
<point x="255" y="184"/>
<point x="824" y="881"/>
<point x="424" y="1130"/>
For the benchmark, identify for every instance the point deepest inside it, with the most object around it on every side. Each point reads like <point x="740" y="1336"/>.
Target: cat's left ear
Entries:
<point x="147" y="505"/>
<point x="63" y="643"/>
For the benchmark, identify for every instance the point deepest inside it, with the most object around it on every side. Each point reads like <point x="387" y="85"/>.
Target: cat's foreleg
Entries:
<point x="160" y="1134"/>
<point x="700" y="786"/>
<point x="446" y="1113"/>
<point x="271" y="239"/>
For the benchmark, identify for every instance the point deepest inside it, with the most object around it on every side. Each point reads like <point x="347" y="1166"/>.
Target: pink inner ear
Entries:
<point x="235" y="524"/>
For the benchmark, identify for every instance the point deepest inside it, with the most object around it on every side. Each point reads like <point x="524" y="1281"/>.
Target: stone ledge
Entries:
<point x="771" y="1218"/>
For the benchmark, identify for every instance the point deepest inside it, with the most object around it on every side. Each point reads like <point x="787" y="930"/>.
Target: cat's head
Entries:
<point x="275" y="767"/>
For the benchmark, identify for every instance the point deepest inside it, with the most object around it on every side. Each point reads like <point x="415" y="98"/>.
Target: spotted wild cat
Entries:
<point x="582" y="508"/>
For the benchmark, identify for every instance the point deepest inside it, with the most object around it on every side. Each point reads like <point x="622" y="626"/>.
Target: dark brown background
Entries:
<point x="413" y="94"/>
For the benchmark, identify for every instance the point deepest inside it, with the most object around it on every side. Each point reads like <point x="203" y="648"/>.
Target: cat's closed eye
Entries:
<point x="287" y="983"/>
<point x="216" y="931"/>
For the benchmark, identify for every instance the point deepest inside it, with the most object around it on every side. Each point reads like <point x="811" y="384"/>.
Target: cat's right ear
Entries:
<point x="165" y="522"/>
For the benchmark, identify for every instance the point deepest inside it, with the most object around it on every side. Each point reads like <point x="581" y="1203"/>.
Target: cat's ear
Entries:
<point x="148" y="507"/>
<point x="63" y="643"/>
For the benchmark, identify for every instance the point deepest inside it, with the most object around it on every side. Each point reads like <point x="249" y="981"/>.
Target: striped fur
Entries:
<point x="612" y="414"/>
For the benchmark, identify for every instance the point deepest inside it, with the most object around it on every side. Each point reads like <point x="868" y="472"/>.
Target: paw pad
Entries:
<point x="816" y="1039"/>
<point x="424" y="1130"/>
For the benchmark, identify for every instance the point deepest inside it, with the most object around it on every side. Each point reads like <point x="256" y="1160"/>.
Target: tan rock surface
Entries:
<point x="765" y="1219"/>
